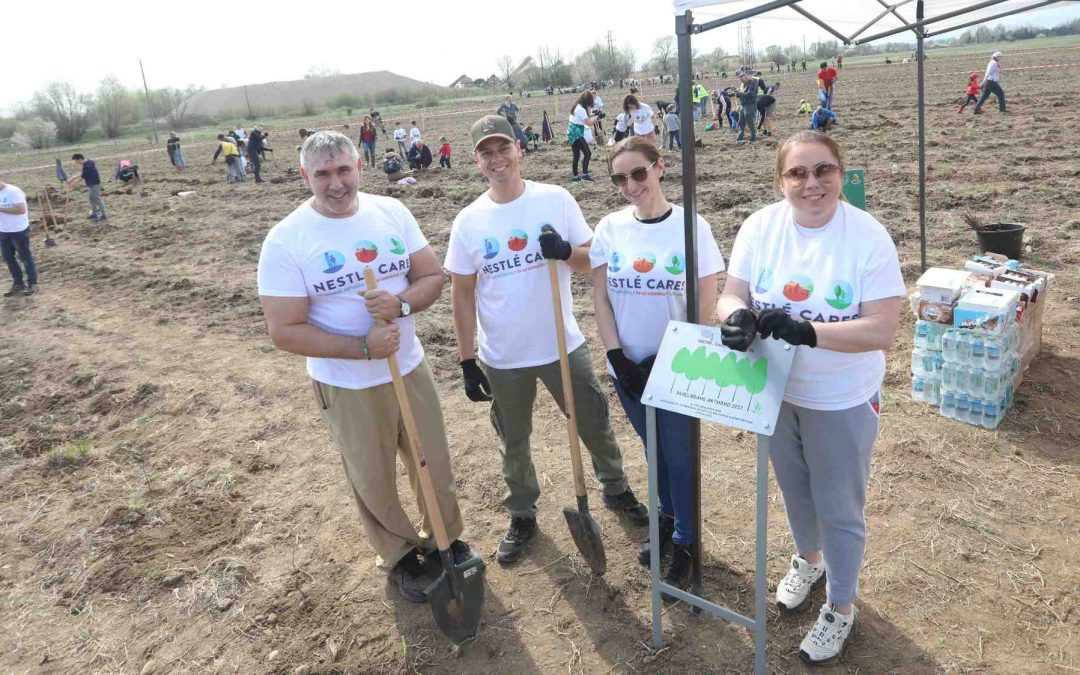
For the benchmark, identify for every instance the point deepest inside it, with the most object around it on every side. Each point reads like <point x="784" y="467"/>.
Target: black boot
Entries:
<point x="677" y="573"/>
<point x="667" y="528"/>
<point x="627" y="504"/>
<point x="411" y="578"/>
<point x="513" y="544"/>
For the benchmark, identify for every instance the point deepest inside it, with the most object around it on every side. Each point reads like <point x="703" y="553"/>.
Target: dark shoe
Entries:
<point x="667" y="528"/>
<point x="575" y="179"/>
<point x="260" y="181"/>
<point x="411" y="578"/>
<point x="461" y="551"/>
<point x="15" y="290"/>
<point x="977" y="112"/>
<point x="628" y="505"/>
<point x="92" y="216"/>
<point x="30" y="290"/>
<point x="512" y="546"/>
<point x="677" y="573"/>
<point x="586" y="177"/>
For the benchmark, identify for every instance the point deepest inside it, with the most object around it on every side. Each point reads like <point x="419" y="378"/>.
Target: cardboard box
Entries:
<point x="986" y="310"/>
<point x="941" y="285"/>
<point x="934" y="312"/>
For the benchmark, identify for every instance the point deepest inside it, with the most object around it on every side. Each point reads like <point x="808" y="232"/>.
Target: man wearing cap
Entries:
<point x="499" y="249"/>
<point x="992" y="85"/>
<point x="311" y="284"/>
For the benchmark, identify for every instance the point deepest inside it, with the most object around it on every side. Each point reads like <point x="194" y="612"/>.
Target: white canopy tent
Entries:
<point x="853" y="22"/>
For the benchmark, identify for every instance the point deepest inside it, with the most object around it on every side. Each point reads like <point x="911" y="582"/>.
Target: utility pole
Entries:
<point x="804" y="47"/>
<point x="149" y="103"/>
<point x="248" y="101"/>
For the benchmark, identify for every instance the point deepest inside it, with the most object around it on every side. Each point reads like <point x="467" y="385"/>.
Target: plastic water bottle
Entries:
<point x="963" y="407"/>
<point x="975" y="381"/>
<point x="960" y="378"/>
<point x="948" y="344"/>
<point x="918" y="389"/>
<point x="932" y="393"/>
<point x="928" y="359"/>
<point x="933" y="335"/>
<point x="963" y="348"/>
<point x="976" y="414"/>
<point x="978" y="350"/>
<point x="916" y="362"/>
<point x="990" y="418"/>
<point x="922" y="332"/>
<point x="993" y="357"/>
<point x="939" y="365"/>
<point x="992" y="385"/>
<point x="948" y="405"/>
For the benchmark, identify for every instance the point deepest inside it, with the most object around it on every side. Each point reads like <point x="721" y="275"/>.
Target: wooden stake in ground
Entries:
<point x="49" y="243"/>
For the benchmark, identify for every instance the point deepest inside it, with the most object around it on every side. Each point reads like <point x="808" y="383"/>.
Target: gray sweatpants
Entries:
<point x="514" y="394"/>
<point x="822" y="464"/>
<point x="97" y="207"/>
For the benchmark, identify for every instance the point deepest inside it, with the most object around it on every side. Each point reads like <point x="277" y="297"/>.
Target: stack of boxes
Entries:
<point x="976" y="330"/>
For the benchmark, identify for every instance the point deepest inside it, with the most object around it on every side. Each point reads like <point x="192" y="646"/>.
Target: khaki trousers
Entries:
<point x="367" y="427"/>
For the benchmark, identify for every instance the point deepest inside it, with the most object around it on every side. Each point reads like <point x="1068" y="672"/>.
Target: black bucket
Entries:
<point x="1004" y="238"/>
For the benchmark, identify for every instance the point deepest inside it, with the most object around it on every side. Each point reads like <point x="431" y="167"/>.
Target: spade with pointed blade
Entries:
<point x="457" y="596"/>
<point x="583" y="528"/>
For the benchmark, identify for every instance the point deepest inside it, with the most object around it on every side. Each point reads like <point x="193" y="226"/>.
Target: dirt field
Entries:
<point x="169" y="494"/>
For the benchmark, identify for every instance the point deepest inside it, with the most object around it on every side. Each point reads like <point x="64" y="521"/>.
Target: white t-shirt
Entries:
<point x="414" y="134"/>
<point x="13" y="222"/>
<point x="646" y="272"/>
<point x="820" y="274"/>
<point x="323" y="259"/>
<point x="399" y="134"/>
<point x="642" y="118"/>
<point x="499" y="244"/>
<point x="580" y="115"/>
<point x="993" y="71"/>
<point x="598" y="103"/>
<point x="620" y="122"/>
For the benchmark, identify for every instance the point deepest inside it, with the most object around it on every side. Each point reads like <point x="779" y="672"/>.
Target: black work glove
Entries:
<point x="477" y="387"/>
<point x="630" y="375"/>
<point x="554" y="247"/>
<point x="781" y="326"/>
<point x="739" y="329"/>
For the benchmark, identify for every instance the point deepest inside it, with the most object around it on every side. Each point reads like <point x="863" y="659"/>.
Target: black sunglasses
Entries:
<point x="824" y="172"/>
<point x="639" y="175"/>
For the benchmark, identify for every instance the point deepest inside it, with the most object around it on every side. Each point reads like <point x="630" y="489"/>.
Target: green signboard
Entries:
<point x="855" y="188"/>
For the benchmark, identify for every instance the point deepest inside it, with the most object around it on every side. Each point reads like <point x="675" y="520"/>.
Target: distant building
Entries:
<point x="462" y="82"/>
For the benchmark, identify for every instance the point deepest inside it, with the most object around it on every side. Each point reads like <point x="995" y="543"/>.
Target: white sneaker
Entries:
<point x="795" y="587"/>
<point x="827" y="641"/>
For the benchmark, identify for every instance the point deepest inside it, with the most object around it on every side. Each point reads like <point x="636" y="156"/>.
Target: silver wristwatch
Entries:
<point x="406" y="308"/>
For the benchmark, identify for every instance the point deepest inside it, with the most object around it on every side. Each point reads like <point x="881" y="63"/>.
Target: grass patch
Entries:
<point x="70" y="455"/>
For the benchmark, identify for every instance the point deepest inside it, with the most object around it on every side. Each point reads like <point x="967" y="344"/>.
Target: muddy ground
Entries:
<point x="168" y="493"/>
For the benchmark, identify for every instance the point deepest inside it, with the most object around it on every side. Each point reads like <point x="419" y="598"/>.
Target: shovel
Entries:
<point x="457" y="596"/>
<point x="49" y="243"/>
<point x="583" y="528"/>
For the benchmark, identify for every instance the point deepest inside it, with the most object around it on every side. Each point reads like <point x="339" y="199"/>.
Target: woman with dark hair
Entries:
<point x="580" y="119"/>
<point x="642" y="246"/>
<point x="368" y="137"/>
<point x="641" y="115"/>
<point x="823" y="276"/>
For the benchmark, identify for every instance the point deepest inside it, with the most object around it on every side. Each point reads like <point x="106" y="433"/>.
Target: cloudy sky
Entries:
<point x="214" y="44"/>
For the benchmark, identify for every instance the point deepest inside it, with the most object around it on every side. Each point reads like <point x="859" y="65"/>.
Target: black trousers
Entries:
<point x="581" y="152"/>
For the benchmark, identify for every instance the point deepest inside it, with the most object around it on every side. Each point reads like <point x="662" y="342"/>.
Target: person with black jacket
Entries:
<point x="256" y="146"/>
<point x="419" y="156"/>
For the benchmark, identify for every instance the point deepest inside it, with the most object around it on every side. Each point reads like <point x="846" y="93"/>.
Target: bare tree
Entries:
<point x="505" y="66"/>
<point x="176" y="103"/>
<point x="664" y="54"/>
<point x="114" y="106"/>
<point x="66" y="108"/>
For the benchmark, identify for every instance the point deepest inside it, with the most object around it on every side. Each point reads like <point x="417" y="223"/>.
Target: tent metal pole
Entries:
<point x="824" y="26"/>
<point x="888" y="9"/>
<point x="992" y="18"/>
<point x="919" y="23"/>
<point x="734" y="18"/>
<point x="920" y="55"/>
<point x="683" y="28"/>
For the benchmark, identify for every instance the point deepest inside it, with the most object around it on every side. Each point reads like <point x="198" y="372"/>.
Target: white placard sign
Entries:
<point x="696" y="375"/>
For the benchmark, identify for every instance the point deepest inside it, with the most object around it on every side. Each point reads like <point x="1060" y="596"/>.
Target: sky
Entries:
<point x="208" y="44"/>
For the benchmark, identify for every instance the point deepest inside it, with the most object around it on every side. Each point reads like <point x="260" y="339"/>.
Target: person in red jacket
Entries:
<point x="368" y="135"/>
<point x="826" y="77"/>
<point x="972" y="92"/>
<point x="444" y="153"/>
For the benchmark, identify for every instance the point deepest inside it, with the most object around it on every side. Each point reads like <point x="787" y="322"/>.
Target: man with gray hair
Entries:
<point x="311" y="283"/>
<point x="992" y="85"/>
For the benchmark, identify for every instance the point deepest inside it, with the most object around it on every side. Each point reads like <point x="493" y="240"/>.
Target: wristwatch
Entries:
<point x="406" y="308"/>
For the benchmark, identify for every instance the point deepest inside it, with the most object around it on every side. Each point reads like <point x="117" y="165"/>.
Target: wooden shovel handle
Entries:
<point x="567" y="383"/>
<point x="427" y="488"/>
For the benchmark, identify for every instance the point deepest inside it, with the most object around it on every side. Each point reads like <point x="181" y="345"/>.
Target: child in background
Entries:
<point x="444" y="152"/>
<point x="972" y="92"/>
<point x="671" y="123"/>
<point x="805" y="108"/>
<point x="532" y="137"/>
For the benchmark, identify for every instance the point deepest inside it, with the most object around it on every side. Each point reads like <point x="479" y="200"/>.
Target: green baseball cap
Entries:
<point x="491" y="126"/>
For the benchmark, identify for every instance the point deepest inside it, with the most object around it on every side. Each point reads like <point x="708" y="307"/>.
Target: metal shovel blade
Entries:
<point x="457" y="599"/>
<point x="586" y="534"/>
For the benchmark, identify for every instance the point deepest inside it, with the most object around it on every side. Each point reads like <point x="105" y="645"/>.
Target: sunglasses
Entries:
<point x="639" y="175"/>
<point x="825" y="172"/>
